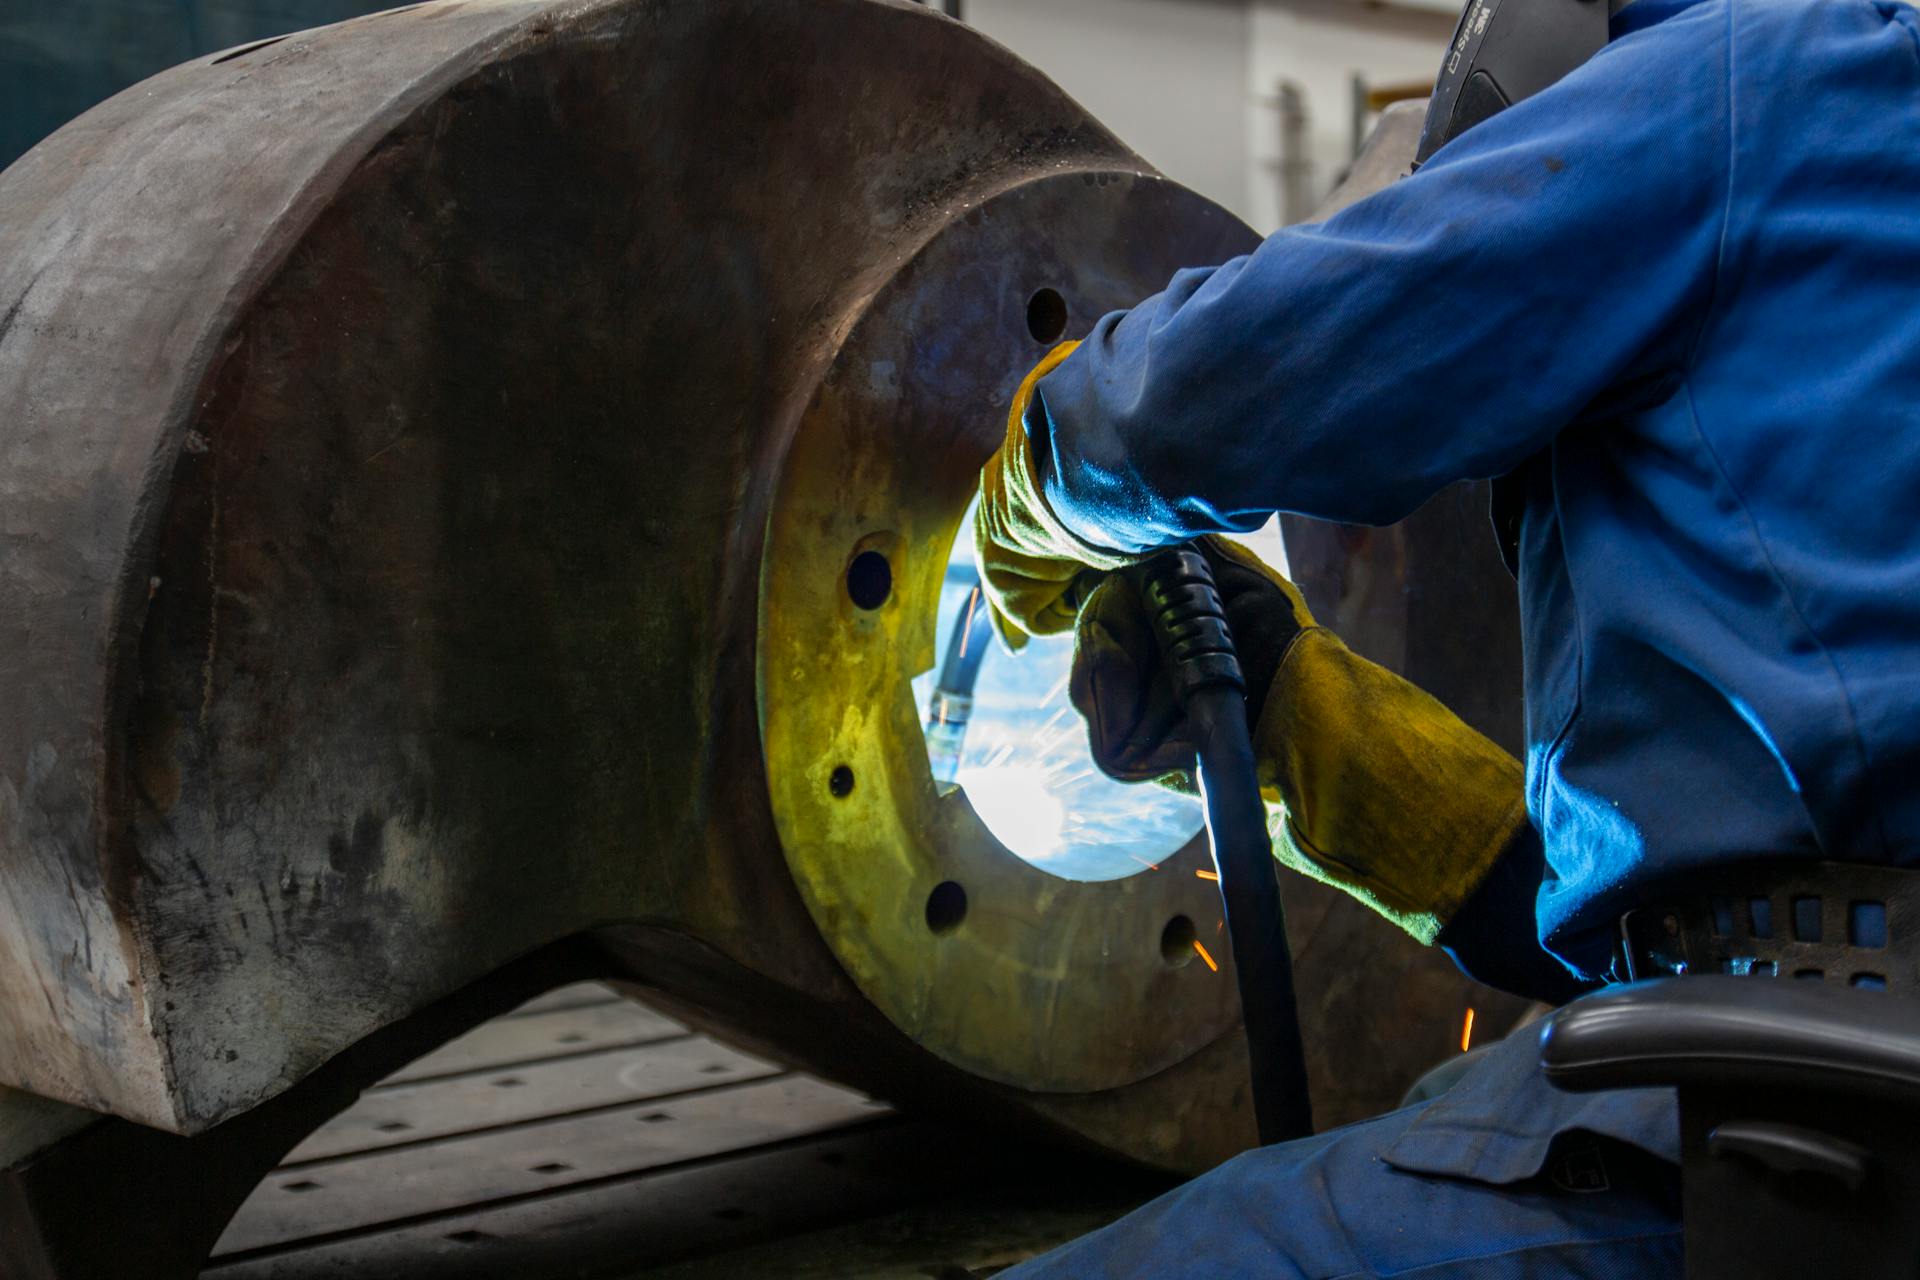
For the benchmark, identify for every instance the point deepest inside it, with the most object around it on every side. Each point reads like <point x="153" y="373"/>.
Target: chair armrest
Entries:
<point x="1737" y="1033"/>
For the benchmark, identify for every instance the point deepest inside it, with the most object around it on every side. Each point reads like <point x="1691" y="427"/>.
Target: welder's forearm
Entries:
<point x="1445" y="328"/>
<point x="1386" y="793"/>
<point x="1344" y="372"/>
<point x="1493" y="937"/>
<point x="1195" y="412"/>
<point x="1121" y="460"/>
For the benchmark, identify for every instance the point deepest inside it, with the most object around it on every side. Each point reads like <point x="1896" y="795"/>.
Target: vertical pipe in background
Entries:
<point x="1296" y="165"/>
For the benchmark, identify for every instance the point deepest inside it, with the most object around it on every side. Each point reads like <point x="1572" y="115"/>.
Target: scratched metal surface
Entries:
<point x="392" y="420"/>
<point x="59" y="57"/>
<point x="393" y="411"/>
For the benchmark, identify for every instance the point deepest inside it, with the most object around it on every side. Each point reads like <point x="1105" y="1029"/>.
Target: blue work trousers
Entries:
<point x="1501" y="1176"/>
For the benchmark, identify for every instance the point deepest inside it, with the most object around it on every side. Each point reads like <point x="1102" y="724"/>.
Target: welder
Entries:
<point x="1671" y="303"/>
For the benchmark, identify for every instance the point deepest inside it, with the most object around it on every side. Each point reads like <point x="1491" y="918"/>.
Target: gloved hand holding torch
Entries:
<point x="1034" y="570"/>
<point x="1381" y="790"/>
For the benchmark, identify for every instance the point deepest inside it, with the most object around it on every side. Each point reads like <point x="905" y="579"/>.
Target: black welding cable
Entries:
<point x="1191" y="626"/>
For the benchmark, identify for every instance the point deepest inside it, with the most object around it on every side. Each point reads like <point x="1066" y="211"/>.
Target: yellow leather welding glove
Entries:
<point x="1135" y="726"/>
<point x="1373" y="785"/>
<point x="1035" y="571"/>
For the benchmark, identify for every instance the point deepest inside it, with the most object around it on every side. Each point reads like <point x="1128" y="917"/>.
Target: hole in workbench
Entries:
<point x="946" y="906"/>
<point x="715" y="1069"/>
<point x="508" y="1082"/>
<point x="393" y="1126"/>
<point x="1176" y="941"/>
<point x="305" y="1184"/>
<point x="840" y="782"/>
<point x="469" y="1236"/>
<point x="551" y="1167"/>
<point x="1046" y="315"/>
<point x="655" y="1117"/>
<point x="869" y="580"/>
<point x="572" y="1037"/>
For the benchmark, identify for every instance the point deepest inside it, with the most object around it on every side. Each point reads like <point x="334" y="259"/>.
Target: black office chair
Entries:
<point x="1799" y="1099"/>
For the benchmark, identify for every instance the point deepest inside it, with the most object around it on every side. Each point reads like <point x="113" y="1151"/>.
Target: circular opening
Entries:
<point x="1176" y="941"/>
<point x="869" y="580"/>
<point x="1046" y="316"/>
<point x="1000" y="728"/>
<point x="840" y="782"/>
<point x="947" y="907"/>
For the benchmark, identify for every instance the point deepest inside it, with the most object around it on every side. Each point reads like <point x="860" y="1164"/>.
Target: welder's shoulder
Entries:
<point x="1666" y="57"/>
<point x="1824" y="83"/>
<point x="1835" y="36"/>
<point x="1769" y="37"/>
<point x="1785" y="76"/>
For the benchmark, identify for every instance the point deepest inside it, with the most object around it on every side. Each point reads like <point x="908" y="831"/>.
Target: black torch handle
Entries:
<point x="1191" y="625"/>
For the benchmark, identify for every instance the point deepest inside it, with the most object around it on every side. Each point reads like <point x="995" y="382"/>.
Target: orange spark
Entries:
<point x="1151" y="866"/>
<point x="1208" y="875"/>
<point x="1466" y="1030"/>
<point x="1204" y="956"/>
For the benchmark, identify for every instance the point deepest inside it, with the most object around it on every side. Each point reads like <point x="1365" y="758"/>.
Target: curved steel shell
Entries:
<point x="411" y="434"/>
<point x="1048" y="983"/>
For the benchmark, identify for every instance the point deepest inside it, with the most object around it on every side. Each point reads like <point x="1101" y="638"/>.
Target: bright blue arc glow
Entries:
<point x="1024" y="762"/>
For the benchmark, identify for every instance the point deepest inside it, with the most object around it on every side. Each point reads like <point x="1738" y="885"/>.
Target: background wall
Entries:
<point x="59" y="57"/>
<point x="1195" y="85"/>
<point x="1168" y="76"/>
<point x="1321" y="46"/>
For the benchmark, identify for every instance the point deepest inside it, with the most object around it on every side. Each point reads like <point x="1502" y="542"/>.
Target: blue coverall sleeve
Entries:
<point x="1550" y="263"/>
<point x="1481" y="938"/>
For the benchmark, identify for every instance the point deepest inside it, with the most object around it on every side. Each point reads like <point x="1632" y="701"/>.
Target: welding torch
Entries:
<point x="1190" y="625"/>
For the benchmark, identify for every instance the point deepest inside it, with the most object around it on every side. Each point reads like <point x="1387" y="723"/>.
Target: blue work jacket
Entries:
<point x="1690" y="274"/>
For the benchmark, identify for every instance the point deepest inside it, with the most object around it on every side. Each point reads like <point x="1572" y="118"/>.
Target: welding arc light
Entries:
<point x="999" y="727"/>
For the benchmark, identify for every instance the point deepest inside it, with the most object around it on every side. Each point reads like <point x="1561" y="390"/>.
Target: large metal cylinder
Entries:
<point x="434" y="451"/>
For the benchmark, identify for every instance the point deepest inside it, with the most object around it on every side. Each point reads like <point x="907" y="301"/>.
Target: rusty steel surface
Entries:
<point x="419" y="438"/>
<point x="1047" y="983"/>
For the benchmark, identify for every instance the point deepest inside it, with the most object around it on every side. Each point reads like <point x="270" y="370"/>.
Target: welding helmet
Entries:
<point x="1503" y="51"/>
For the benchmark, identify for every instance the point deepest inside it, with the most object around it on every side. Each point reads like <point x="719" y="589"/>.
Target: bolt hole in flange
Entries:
<point x="946" y="906"/>
<point x="869" y="580"/>
<point x="840" y="782"/>
<point x="1176" y="941"/>
<point x="1047" y="316"/>
<point x="885" y="458"/>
